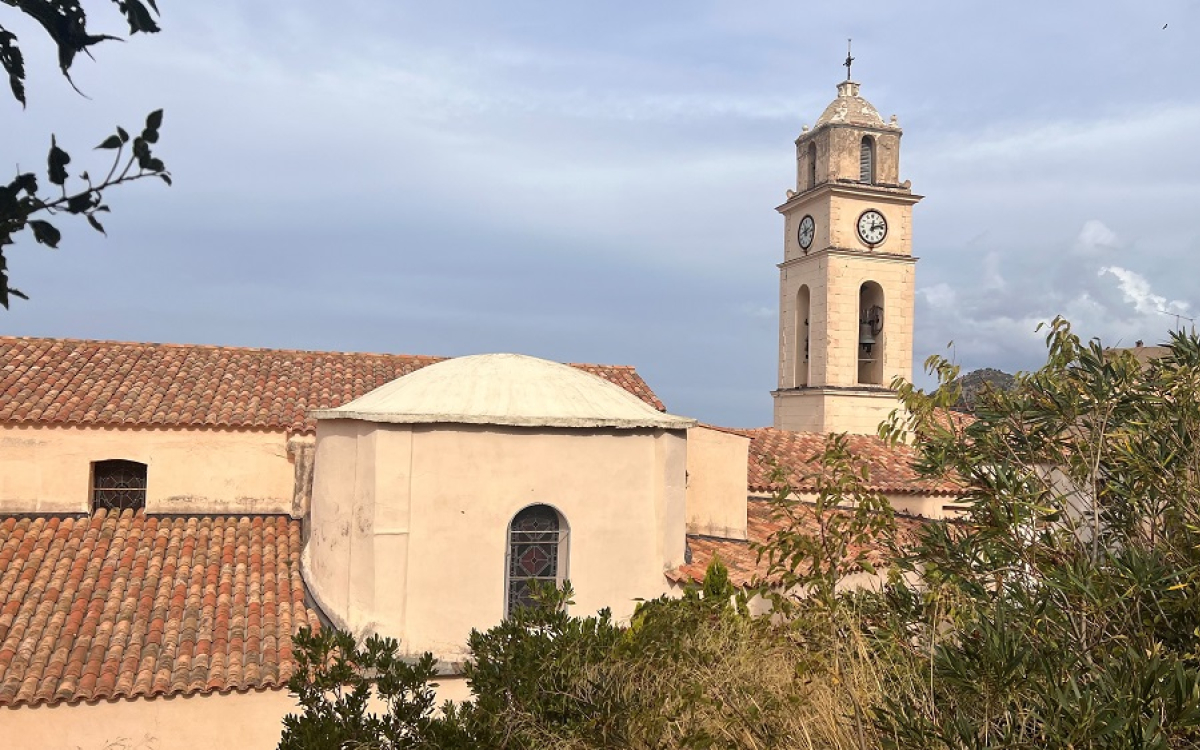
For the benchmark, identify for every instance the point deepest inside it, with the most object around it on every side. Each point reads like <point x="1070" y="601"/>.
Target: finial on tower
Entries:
<point x="849" y="59"/>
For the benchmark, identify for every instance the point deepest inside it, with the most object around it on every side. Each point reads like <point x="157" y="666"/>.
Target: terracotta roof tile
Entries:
<point x="890" y="466"/>
<point x="128" y="605"/>
<point x="739" y="556"/>
<point x="68" y="381"/>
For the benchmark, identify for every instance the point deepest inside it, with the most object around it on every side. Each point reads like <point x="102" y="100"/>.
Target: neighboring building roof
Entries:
<point x="109" y="383"/>
<point x="850" y="109"/>
<point x="890" y="466"/>
<point x="740" y="557"/>
<point x="504" y="389"/>
<point x="1144" y="354"/>
<point x="128" y="605"/>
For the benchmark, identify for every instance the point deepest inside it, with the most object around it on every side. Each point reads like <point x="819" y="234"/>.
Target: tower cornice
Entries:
<point x="885" y="128"/>
<point x="849" y="252"/>
<point x="895" y="194"/>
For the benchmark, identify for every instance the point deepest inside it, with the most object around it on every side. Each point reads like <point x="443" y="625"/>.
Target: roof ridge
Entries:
<point x="227" y="347"/>
<point x="125" y="383"/>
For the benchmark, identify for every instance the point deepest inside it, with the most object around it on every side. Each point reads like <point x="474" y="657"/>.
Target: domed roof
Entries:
<point x="504" y="389"/>
<point x="850" y="109"/>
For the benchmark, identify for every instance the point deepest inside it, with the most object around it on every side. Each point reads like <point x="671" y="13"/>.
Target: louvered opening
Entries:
<point x="866" y="161"/>
<point x="812" y="165"/>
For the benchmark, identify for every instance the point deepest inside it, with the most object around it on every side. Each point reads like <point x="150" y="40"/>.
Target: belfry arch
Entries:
<point x="803" y="310"/>
<point x="870" y="342"/>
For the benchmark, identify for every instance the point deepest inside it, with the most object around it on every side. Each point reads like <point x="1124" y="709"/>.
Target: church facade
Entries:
<point x="170" y="515"/>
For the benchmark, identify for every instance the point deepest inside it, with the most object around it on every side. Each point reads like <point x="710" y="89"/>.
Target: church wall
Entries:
<point x="834" y="281"/>
<point x="468" y="483"/>
<point x="327" y="555"/>
<point x="716" y="483"/>
<point x="845" y="209"/>
<point x="237" y="721"/>
<point x="48" y="469"/>
<point x="846" y="275"/>
<point x="856" y="412"/>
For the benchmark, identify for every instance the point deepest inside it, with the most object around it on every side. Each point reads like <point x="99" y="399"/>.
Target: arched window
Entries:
<point x="866" y="160"/>
<point x="870" y="334"/>
<point x="118" y="484"/>
<point x="812" y="165"/>
<point x="537" y="552"/>
<point x="802" y="312"/>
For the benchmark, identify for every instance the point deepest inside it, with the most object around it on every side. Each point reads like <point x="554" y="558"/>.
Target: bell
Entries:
<point x="866" y="339"/>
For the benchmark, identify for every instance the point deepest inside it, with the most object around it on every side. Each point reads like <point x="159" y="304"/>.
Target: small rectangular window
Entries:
<point x="118" y="485"/>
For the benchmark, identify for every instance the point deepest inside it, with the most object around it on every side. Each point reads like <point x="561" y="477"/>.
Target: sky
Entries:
<point x="596" y="182"/>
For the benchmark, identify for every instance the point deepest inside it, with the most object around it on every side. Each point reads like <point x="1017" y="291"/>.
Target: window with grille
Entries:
<point x="537" y="550"/>
<point x="118" y="484"/>
<point x="866" y="161"/>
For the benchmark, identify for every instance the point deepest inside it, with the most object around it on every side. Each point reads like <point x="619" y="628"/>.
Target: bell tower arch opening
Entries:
<point x="803" y="306"/>
<point x="812" y="165"/>
<point x="866" y="160"/>
<point x="870" y="334"/>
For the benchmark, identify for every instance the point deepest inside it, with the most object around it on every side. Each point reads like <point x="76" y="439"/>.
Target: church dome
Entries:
<point x="850" y="109"/>
<point x="504" y="389"/>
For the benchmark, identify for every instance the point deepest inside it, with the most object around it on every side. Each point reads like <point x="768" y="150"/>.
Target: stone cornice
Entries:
<point x="851" y="252"/>
<point x="894" y="194"/>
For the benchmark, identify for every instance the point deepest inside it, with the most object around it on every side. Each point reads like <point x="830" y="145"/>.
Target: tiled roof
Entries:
<point x="128" y="605"/>
<point x="74" y="382"/>
<point x="890" y="466"/>
<point x="741" y="558"/>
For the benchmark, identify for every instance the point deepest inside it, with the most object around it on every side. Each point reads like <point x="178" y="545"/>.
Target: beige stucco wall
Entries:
<point x="823" y="411"/>
<point x="48" y="469"/>
<point x="717" y="465"/>
<point x="834" y="280"/>
<point x="912" y="504"/>
<point x="238" y="721"/>
<point x="409" y="523"/>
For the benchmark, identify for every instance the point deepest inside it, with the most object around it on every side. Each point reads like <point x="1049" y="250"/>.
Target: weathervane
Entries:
<point x="849" y="59"/>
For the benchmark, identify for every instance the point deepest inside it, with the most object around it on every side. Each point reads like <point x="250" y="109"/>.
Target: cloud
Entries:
<point x="939" y="295"/>
<point x="1137" y="291"/>
<point x="1095" y="239"/>
<point x="596" y="182"/>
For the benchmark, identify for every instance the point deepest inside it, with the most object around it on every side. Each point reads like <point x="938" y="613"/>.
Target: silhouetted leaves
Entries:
<point x="45" y="232"/>
<point x="20" y="202"/>
<point x="57" y="163"/>
<point x="65" y="21"/>
<point x="13" y="64"/>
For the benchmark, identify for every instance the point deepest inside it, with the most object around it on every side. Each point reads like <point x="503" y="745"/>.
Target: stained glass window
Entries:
<point x="117" y="485"/>
<point x="536" y="552"/>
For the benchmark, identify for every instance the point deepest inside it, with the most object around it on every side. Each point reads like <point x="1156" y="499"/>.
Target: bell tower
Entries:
<point x="846" y="283"/>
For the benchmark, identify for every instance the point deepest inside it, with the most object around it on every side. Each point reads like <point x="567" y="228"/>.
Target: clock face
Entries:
<point x="805" y="233"/>
<point x="872" y="227"/>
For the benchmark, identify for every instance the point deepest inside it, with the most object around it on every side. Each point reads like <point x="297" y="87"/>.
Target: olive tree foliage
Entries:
<point x="692" y="672"/>
<point x="25" y="203"/>
<point x="1063" y="609"/>
<point x="340" y="684"/>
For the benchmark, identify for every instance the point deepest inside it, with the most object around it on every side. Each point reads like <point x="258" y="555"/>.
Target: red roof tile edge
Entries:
<point x="73" y="382"/>
<point x="89" y="606"/>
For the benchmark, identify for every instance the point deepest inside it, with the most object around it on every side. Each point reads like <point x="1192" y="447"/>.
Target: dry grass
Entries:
<point x="736" y="683"/>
